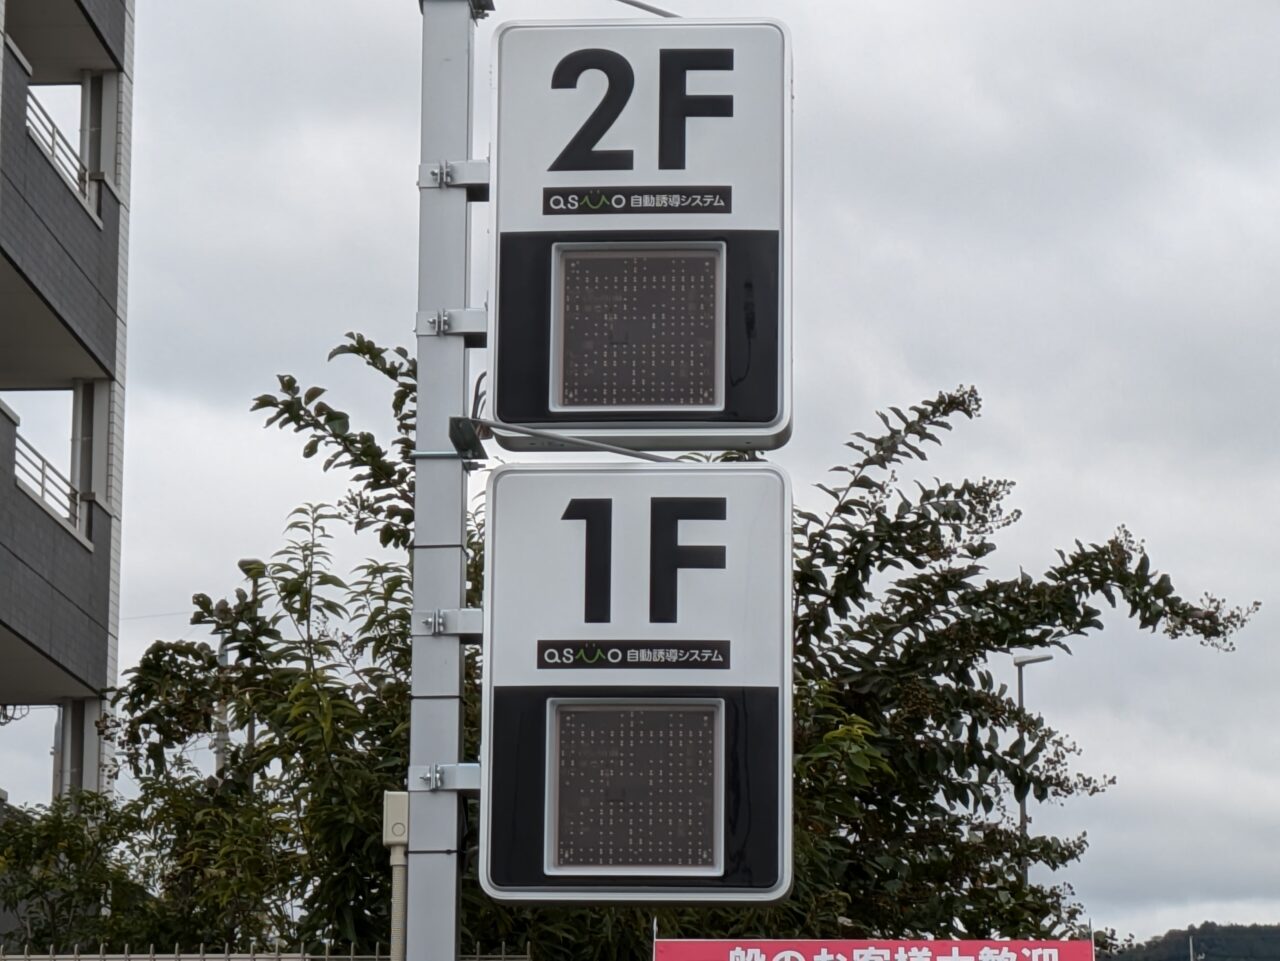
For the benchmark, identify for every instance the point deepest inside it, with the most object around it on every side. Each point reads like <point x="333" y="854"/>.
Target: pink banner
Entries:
<point x="838" y="950"/>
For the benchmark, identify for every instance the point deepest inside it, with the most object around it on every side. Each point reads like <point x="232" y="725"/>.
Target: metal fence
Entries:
<point x="47" y="482"/>
<point x="56" y="146"/>
<point x="207" y="953"/>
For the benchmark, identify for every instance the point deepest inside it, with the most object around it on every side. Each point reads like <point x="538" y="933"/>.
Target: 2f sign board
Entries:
<point x="637" y="689"/>
<point x="597" y="119"/>
<point x="641" y="206"/>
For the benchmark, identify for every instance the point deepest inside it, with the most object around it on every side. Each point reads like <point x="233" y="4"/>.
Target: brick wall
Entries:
<point x="45" y="230"/>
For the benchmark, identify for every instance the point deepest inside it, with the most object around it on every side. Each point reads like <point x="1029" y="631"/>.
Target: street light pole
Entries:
<point x="1020" y="662"/>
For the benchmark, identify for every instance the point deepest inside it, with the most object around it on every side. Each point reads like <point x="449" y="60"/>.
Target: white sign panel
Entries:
<point x="637" y="665"/>
<point x="694" y="114"/>
<point x="644" y="554"/>
<point x="641" y="259"/>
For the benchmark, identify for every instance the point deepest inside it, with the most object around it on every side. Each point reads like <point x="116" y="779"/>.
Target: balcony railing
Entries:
<point x="57" y="147"/>
<point x="47" y="482"/>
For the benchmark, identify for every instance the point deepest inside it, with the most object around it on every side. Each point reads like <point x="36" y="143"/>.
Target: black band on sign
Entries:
<point x="518" y="785"/>
<point x="753" y="329"/>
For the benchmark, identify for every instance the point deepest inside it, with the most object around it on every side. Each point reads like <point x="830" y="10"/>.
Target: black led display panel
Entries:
<point x="529" y="343"/>
<point x="638" y="326"/>
<point x="523" y="790"/>
<point x="636" y="787"/>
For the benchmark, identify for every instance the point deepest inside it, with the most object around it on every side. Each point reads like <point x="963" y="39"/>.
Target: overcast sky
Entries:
<point x="1074" y="206"/>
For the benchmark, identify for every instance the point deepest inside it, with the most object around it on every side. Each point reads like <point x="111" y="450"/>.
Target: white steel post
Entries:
<point x="435" y="735"/>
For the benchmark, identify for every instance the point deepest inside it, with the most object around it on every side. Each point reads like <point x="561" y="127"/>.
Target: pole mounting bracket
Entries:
<point x="463" y="429"/>
<point x="469" y="323"/>
<point x="472" y="175"/>
<point x="461" y="778"/>
<point x="465" y="623"/>
<point x="479" y="8"/>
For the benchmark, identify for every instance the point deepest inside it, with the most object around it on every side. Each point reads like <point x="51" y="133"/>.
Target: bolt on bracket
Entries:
<point x="462" y="778"/>
<point x="472" y="175"/>
<point x="470" y="323"/>
<point x="466" y="623"/>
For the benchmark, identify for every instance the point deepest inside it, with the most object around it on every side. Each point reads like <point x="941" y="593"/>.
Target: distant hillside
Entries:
<point x="1213" y="942"/>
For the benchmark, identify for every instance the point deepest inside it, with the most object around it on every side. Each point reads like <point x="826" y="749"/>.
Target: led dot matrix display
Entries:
<point x="638" y="326"/>
<point x="635" y="788"/>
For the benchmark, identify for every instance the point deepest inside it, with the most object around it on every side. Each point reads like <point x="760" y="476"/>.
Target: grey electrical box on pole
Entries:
<point x="641" y="250"/>
<point x="435" y="737"/>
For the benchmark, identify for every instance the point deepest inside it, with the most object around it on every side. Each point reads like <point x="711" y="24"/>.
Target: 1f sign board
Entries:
<point x="641" y="201"/>
<point x="636" y="741"/>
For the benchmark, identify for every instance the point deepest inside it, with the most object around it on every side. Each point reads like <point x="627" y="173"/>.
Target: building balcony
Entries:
<point x="60" y="237"/>
<point x="54" y="579"/>
<point x="65" y="120"/>
<point x="63" y="38"/>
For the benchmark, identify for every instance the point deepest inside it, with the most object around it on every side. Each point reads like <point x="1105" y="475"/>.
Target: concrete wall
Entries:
<point x="54" y="589"/>
<point x="71" y="259"/>
<point x="108" y="19"/>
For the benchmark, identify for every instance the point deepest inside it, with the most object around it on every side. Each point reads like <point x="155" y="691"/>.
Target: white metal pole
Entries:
<point x="1022" y="803"/>
<point x="435" y="735"/>
<point x="1020" y="662"/>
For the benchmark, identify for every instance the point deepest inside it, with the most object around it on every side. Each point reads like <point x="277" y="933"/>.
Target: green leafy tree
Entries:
<point x="1208" y="941"/>
<point x="67" y="874"/>
<point x="283" y="841"/>
<point x="908" y="754"/>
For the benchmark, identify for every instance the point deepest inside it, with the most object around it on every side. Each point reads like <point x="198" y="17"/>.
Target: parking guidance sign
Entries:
<point x="641" y="202"/>
<point x="637" y="688"/>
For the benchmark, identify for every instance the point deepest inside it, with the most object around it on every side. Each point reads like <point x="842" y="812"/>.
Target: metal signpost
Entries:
<point x="637" y="674"/>
<point x="637" y="693"/>
<point x="435" y="737"/>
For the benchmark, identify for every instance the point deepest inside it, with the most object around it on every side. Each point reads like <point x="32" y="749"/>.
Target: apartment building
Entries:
<point x="64" y="226"/>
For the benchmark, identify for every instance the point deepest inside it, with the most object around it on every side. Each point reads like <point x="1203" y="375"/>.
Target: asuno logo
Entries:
<point x="585" y="656"/>
<point x="594" y="200"/>
<point x="708" y="655"/>
<point x="651" y="199"/>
